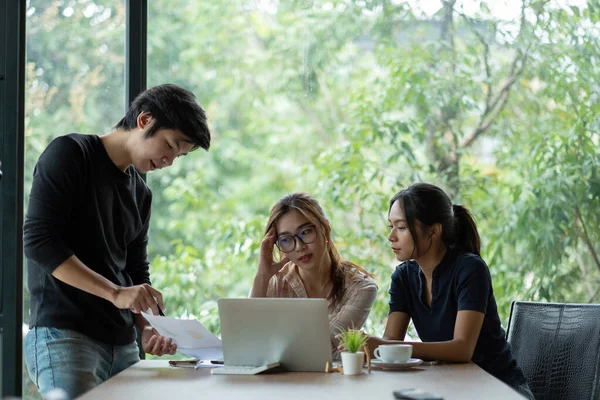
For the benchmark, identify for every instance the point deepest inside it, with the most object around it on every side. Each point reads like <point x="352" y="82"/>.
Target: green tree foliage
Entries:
<point x="349" y="101"/>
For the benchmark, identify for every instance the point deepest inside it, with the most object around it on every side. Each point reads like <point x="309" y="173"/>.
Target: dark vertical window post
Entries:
<point x="135" y="49"/>
<point x="135" y="60"/>
<point x="12" y="90"/>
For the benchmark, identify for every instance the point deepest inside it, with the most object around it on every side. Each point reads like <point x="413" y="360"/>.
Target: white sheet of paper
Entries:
<point x="191" y="337"/>
<point x="204" y="353"/>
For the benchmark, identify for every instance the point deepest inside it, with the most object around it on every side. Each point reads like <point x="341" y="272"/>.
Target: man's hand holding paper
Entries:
<point x="189" y="336"/>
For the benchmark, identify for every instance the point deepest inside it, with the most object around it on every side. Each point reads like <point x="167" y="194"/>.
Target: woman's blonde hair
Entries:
<point x="312" y="211"/>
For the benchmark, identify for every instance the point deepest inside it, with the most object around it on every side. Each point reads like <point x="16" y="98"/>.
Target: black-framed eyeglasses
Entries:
<point x="306" y="235"/>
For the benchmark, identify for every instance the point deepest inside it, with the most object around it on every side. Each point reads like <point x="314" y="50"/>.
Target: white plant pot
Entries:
<point x="353" y="362"/>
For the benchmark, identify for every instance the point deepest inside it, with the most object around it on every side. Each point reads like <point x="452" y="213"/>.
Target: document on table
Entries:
<point x="191" y="337"/>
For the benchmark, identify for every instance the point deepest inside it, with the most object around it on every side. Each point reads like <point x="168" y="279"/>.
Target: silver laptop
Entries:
<point x="265" y="331"/>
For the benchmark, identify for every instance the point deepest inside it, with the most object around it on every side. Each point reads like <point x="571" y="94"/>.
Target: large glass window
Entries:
<point x="348" y="100"/>
<point x="74" y="81"/>
<point x="351" y="100"/>
<point x="281" y="83"/>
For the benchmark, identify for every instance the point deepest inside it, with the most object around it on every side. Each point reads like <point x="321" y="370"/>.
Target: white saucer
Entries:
<point x="413" y="362"/>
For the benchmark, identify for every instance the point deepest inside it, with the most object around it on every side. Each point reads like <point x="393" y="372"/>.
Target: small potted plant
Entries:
<point x="353" y="341"/>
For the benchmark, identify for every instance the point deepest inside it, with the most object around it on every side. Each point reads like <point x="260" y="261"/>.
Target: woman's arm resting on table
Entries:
<point x="395" y="331"/>
<point x="461" y="347"/>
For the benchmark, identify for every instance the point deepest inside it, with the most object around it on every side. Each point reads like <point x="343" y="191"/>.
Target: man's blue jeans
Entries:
<point x="69" y="360"/>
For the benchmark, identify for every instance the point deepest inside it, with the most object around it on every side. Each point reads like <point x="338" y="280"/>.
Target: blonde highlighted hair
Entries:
<point x="312" y="211"/>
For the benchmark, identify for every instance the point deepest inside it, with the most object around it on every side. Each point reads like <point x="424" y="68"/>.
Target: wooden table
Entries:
<point x="157" y="380"/>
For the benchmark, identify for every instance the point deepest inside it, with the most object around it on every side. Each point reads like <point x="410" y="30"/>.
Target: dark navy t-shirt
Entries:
<point x="461" y="282"/>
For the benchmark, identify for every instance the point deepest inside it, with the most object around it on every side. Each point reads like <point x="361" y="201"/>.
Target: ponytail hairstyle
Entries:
<point x="312" y="211"/>
<point x="430" y="205"/>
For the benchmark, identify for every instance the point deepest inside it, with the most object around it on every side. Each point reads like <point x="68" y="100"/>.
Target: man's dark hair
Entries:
<point x="171" y="107"/>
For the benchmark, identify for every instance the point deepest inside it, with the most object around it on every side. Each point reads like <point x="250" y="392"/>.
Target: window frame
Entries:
<point x="12" y="135"/>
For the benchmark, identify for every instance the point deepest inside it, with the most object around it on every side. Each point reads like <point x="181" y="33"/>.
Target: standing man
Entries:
<point x="85" y="237"/>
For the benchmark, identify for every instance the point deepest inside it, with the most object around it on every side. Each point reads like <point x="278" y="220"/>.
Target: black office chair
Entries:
<point x="558" y="348"/>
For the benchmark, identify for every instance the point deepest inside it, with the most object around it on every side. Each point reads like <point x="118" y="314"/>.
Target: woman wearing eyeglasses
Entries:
<point x="310" y="266"/>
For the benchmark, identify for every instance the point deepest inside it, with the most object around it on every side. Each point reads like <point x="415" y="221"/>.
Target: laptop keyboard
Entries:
<point x="242" y="370"/>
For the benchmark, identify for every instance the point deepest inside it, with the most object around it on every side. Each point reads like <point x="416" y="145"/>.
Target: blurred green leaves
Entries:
<point x="349" y="101"/>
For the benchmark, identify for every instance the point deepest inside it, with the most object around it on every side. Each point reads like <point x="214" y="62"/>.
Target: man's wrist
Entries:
<point x="112" y="292"/>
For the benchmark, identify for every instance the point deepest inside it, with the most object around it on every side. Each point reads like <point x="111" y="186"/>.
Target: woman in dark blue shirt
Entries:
<point x="444" y="286"/>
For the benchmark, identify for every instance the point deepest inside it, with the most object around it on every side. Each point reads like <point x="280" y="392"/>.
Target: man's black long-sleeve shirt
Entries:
<point x="82" y="204"/>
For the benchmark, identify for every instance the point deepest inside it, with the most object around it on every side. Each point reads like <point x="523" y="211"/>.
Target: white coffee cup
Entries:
<point x="393" y="353"/>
